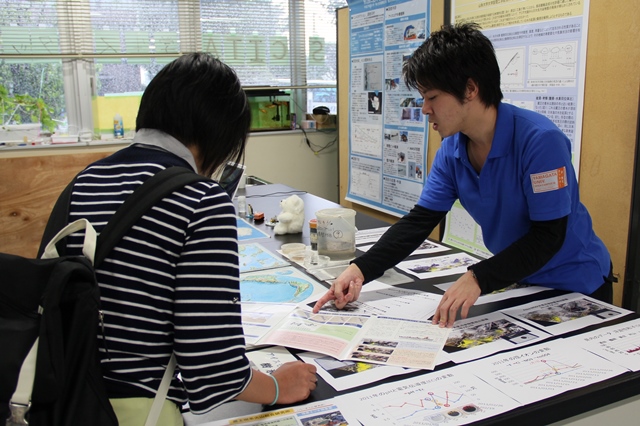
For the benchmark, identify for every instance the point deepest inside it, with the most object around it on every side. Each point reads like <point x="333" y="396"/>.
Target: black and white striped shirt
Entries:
<point x="171" y="284"/>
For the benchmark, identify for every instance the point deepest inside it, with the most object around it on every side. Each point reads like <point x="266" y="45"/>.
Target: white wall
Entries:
<point x="284" y="157"/>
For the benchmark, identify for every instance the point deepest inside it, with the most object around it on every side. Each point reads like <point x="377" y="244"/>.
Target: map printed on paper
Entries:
<point x="449" y="397"/>
<point x="246" y="231"/>
<point x="254" y="257"/>
<point x="282" y="285"/>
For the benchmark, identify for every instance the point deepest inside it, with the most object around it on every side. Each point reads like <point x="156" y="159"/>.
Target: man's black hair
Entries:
<point x="452" y="56"/>
<point x="199" y="100"/>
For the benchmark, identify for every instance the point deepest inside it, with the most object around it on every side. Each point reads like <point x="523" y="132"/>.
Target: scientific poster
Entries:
<point x="387" y="130"/>
<point x="541" y="50"/>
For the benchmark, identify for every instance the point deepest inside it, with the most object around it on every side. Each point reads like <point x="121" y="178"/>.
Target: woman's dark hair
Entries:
<point x="198" y="100"/>
<point x="452" y="56"/>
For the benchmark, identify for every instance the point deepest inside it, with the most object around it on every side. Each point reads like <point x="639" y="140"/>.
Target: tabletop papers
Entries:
<point x="345" y="336"/>
<point x="618" y="343"/>
<point x="255" y="257"/>
<point x="438" y="266"/>
<point x="281" y="285"/>
<point x="562" y="314"/>
<point x="537" y="372"/>
<point x="488" y="334"/>
<point x="377" y="298"/>
<point x="318" y="413"/>
<point x="451" y="397"/>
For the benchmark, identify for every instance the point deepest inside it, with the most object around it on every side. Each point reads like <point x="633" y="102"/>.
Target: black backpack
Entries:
<point x="57" y="302"/>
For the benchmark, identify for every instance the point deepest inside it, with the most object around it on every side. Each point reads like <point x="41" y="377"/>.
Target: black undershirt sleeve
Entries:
<point x="400" y="240"/>
<point x="522" y="258"/>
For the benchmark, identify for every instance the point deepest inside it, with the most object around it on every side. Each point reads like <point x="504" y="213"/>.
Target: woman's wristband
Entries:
<point x="275" y="382"/>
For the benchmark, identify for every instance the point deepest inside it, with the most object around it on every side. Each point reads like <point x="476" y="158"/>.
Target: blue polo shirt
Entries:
<point x="528" y="176"/>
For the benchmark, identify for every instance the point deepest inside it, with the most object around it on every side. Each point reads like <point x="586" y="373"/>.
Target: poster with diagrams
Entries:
<point x="541" y="371"/>
<point x="449" y="397"/>
<point x="563" y="314"/>
<point x="387" y="130"/>
<point x="542" y="60"/>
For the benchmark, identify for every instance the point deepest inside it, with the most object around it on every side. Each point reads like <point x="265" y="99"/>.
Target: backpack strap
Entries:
<point x="58" y="219"/>
<point x="139" y="202"/>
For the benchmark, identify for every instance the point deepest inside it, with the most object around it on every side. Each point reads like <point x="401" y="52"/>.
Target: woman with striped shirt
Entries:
<point x="172" y="283"/>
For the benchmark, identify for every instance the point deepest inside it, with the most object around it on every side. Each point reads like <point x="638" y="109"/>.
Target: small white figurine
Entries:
<point x="291" y="219"/>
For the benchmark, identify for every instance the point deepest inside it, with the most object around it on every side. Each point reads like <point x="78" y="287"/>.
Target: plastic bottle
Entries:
<point x="242" y="206"/>
<point x="118" y="128"/>
<point x="313" y="234"/>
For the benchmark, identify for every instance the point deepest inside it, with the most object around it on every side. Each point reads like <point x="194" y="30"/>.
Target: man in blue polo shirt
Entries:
<point x="511" y="170"/>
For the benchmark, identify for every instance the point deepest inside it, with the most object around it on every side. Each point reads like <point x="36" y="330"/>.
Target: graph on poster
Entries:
<point x="433" y="407"/>
<point x="449" y="398"/>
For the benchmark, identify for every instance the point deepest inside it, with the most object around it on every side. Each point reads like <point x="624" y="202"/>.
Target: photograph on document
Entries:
<point x="562" y="314"/>
<point x="484" y="335"/>
<point x="281" y="285"/>
<point x="342" y="375"/>
<point x="438" y="266"/>
<point x="619" y="343"/>
<point x="255" y="257"/>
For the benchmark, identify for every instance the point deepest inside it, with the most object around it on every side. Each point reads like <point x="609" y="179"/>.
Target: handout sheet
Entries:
<point x="488" y="334"/>
<point x="562" y="314"/>
<point x="427" y="247"/>
<point x="258" y="318"/>
<point x="448" y="397"/>
<point x="317" y="413"/>
<point x="438" y="266"/>
<point x="377" y="298"/>
<point x="509" y="292"/>
<point x="345" y="336"/>
<point x="342" y="375"/>
<point x="618" y="343"/>
<point x="541" y="371"/>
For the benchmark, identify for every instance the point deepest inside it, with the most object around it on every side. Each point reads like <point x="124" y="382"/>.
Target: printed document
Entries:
<point x="345" y="336"/>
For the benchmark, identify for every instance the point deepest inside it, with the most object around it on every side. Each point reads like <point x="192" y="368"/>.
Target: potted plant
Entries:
<point x="16" y="108"/>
